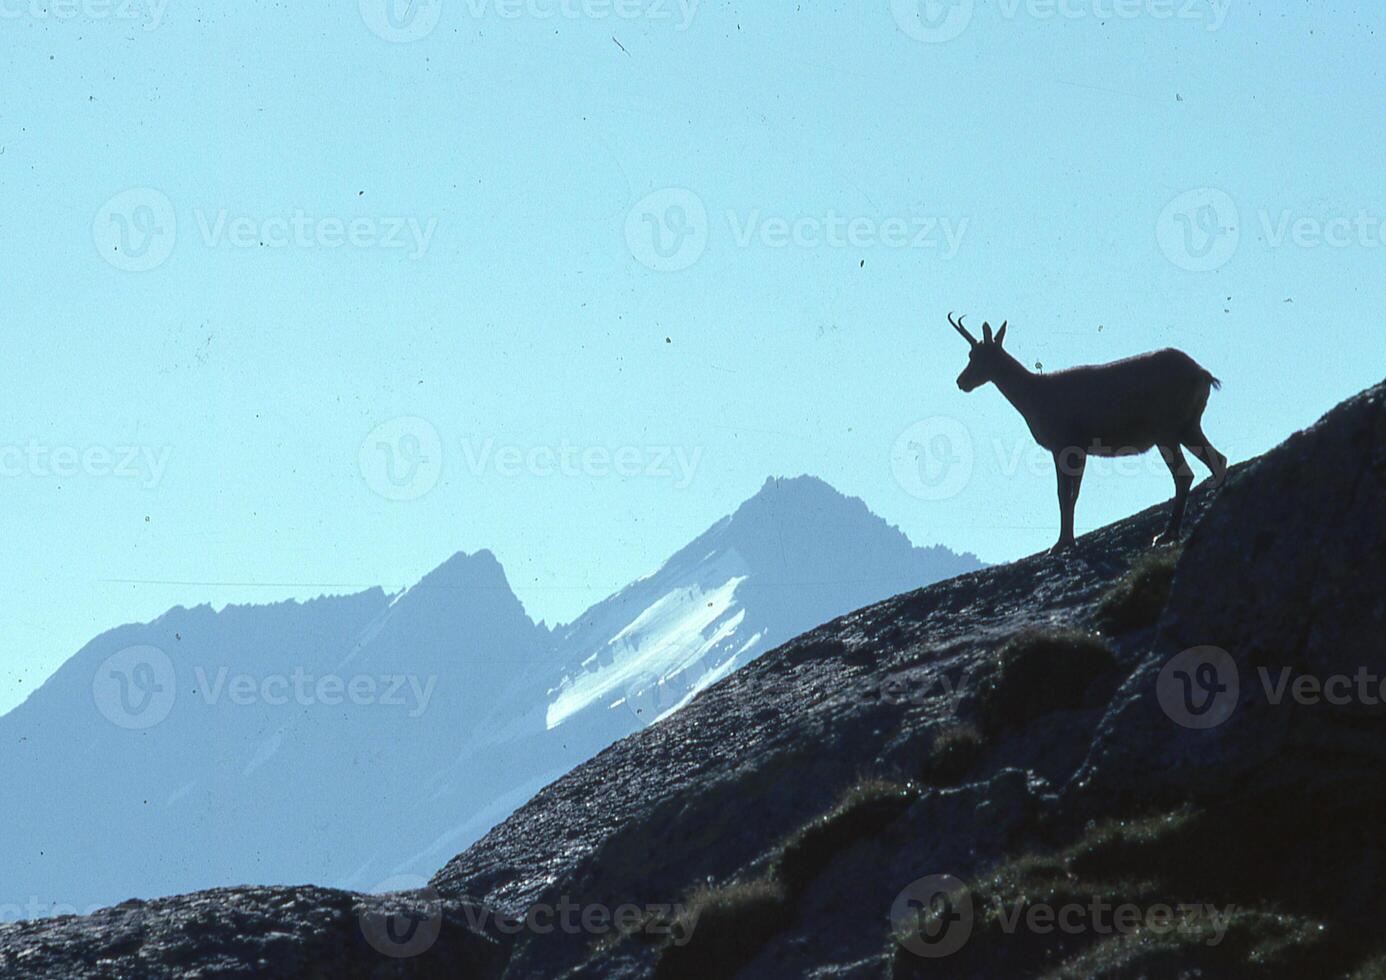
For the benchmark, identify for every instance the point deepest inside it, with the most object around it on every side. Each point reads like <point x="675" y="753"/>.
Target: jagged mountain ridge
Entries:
<point x="200" y="782"/>
<point x="273" y="778"/>
<point x="736" y="590"/>
<point x="796" y="553"/>
<point x="1281" y="568"/>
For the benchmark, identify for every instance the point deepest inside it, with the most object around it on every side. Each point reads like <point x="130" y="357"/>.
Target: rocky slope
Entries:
<point x="1112" y="763"/>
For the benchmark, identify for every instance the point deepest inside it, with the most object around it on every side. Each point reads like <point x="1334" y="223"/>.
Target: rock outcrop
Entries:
<point x="1287" y="575"/>
<point x="1065" y="766"/>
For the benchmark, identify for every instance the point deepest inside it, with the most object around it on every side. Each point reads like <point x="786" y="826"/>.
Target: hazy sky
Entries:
<point x="600" y="268"/>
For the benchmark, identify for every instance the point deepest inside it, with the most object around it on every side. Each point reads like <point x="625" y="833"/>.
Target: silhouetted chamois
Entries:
<point x="1118" y="409"/>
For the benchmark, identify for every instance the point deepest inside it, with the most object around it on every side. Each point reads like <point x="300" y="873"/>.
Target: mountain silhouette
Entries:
<point x="271" y="743"/>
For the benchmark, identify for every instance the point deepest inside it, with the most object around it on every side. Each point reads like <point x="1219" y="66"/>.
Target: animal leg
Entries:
<point x="1198" y="444"/>
<point x="1183" y="481"/>
<point x="1068" y="466"/>
<point x="1080" y="466"/>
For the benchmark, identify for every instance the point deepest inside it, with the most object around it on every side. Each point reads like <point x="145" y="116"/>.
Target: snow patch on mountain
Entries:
<point x="683" y="630"/>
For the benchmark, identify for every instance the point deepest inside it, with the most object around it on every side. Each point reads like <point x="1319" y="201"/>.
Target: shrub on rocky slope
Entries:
<point x="1138" y="598"/>
<point x="1041" y="671"/>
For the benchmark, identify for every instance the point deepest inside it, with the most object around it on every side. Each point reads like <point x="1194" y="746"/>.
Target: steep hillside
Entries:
<point x="1114" y="763"/>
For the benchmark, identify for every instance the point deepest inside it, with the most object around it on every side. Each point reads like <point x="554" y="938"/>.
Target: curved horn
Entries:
<point x="958" y="326"/>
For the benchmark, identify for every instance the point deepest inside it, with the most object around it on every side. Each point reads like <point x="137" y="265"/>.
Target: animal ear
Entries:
<point x="1001" y="334"/>
<point x="986" y="333"/>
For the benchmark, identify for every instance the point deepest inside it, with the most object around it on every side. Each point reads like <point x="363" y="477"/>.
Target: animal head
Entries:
<point x="986" y="358"/>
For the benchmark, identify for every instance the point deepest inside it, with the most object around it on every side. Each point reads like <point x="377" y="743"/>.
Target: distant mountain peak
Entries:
<point x="804" y="494"/>
<point x="478" y="570"/>
<point x="802" y="487"/>
<point x="802" y="524"/>
<point x="470" y="585"/>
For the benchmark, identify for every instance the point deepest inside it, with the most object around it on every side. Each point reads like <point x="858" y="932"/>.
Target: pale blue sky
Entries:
<point x="1029" y="167"/>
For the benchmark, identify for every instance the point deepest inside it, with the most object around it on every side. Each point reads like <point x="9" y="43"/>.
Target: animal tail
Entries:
<point x="1215" y="382"/>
